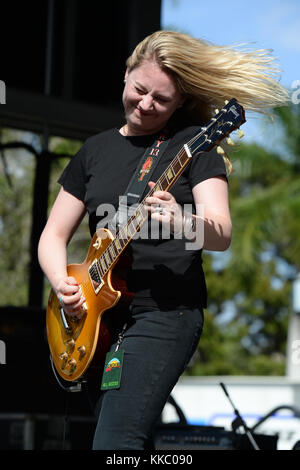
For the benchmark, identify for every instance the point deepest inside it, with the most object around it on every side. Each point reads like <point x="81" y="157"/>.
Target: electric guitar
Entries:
<point x="74" y="343"/>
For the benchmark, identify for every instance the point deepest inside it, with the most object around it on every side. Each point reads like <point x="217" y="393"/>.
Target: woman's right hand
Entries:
<point x="70" y="296"/>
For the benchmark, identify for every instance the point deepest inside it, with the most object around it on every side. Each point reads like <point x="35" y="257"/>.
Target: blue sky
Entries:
<point x="270" y="24"/>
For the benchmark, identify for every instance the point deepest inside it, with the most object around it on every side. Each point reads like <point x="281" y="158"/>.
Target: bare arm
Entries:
<point x="65" y="216"/>
<point x="213" y="227"/>
<point x="211" y="199"/>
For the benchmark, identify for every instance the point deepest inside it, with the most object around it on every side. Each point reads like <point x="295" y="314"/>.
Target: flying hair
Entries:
<point x="208" y="74"/>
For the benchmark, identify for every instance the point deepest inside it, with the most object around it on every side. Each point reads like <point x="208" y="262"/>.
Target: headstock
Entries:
<point x="228" y="119"/>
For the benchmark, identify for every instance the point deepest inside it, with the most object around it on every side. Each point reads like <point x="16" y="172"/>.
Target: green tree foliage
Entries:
<point x="16" y="180"/>
<point x="17" y="168"/>
<point x="250" y="290"/>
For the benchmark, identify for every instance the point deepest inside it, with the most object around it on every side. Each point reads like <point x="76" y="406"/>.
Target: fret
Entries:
<point x="126" y="231"/>
<point x="176" y="166"/>
<point x="139" y="217"/>
<point x="123" y="236"/>
<point x="133" y="226"/>
<point x="170" y="173"/>
<point x="181" y="158"/>
<point x="158" y="187"/>
<point x="164" y="181"/>
<point x="107" y="259"/>
<point x="100" y="268"/>
<point x="111" y="252"/>
<point x="120" y="238"/>
<point x="118" y="244"/>
<point x="102" y="264"/>
<point x="116" y="251"/>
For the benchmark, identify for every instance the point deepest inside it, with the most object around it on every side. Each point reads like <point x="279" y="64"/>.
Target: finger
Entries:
<point x="153" y="200"/>
<point x="71" y="280"/>
<point x="77" y="307"/>
<point x="158" y="209"/>
<point x="67" y="287"/>
<point x="71" y="286"/>
<point x="69" y="290"/>
<point x="151" y="184"/>
<point x="71" y="300"/>
<point x="163" y="195"/>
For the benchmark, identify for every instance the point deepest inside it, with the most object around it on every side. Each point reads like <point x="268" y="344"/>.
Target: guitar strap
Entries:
<point x="138" y="183"/>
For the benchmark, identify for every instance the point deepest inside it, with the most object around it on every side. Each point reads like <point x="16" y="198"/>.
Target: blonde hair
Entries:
<point x="208" y="74"/>
<point x="212" y="74"/>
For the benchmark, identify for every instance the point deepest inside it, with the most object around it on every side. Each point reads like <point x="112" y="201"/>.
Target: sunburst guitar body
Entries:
<point x="75" y="342"/>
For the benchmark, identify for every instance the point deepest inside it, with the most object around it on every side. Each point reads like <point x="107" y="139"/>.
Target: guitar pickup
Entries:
<point x="95" y="276"/>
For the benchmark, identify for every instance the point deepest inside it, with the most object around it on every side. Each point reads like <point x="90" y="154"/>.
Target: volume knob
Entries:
<point x="72" y="363"/>
<point x="70" y="344"/>
<point x="82" y="351"/>
<point x="63" y="356"/>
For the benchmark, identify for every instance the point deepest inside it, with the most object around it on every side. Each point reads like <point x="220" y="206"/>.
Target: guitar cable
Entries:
<point x="79" y="386"/>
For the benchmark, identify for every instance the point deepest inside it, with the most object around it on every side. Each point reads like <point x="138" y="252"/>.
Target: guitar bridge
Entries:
<point x="95" y="277"/>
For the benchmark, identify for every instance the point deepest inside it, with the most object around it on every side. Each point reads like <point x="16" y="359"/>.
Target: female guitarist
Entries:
<point x="172" y="84"/>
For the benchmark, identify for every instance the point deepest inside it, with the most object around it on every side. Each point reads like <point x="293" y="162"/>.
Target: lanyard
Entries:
<point x="140" y="178"/>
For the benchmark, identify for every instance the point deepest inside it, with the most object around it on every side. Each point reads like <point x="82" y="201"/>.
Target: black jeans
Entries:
<point x="157" y="347"/>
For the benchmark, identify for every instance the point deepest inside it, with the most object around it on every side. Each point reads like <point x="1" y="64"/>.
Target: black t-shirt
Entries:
<point x="164" y="274"/>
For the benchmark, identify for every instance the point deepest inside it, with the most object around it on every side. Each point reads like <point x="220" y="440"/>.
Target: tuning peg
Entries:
<point x="63" y="356"/>
<point x="73" y="364"/>
<point x="70" y="344"/>
<point x="216" y="111"/>
<point x="82" y="351"/>
<point x="220" y="150"/>
<point x="230" y="141"/>
<point x="240" y="134"/>
<point x="226" y="101"/>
